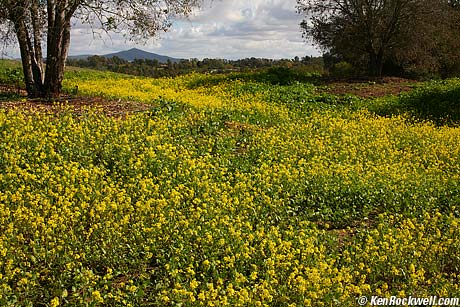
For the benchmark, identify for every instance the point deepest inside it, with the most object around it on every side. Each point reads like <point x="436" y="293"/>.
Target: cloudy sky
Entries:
<point x="230" y="29"/>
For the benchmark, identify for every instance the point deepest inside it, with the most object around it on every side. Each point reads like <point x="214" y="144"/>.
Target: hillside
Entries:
<point x="134" y="53"/>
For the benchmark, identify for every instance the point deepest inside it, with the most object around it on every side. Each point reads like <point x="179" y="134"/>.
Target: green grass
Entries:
<point x="10" y="72"/>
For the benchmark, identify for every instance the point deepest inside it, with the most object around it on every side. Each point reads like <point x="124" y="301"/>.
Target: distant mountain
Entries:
<point x="132" y="54"/>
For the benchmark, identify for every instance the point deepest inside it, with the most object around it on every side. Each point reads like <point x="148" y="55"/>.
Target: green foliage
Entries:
<point x="343" y="70"/>
<point x="284" y="76"/>
<point x="10" y="72"/>
<point x="14" y="75"/>
<point x="436" y="101"/>
<point x="11" y="75"/>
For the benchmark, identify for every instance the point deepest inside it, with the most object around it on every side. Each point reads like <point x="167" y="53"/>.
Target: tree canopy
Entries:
<point x="370" y="33"/>
<point x="33" y="21"/>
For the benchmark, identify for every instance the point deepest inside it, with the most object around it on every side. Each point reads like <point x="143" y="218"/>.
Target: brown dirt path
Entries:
<point x="372" y="88"/>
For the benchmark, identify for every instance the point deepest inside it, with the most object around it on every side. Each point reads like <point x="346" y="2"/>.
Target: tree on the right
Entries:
<point x="418" y="36"/>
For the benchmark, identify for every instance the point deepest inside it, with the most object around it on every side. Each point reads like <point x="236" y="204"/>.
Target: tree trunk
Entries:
<point x="372" y="63"/>
<point x="26" y="61"/>
<point x="58" y="47"/>
<point x="376" y="63"/>
<point x="55" y="35"/>
<point x="379" y="63"/>
<point x="55" y="63"/>
<point x="33" y="75"/>
<point x="37" y="61"/>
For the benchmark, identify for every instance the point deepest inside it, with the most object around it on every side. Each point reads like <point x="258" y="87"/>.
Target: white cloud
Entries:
<point x="224" y="29"/>
<point x="236" y="29"/>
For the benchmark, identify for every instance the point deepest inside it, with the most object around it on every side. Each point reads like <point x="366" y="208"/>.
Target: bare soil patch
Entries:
<point x="381" y="87"/>
<point x="77" y="105"/>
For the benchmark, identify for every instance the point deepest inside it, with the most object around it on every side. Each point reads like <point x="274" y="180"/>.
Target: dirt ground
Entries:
<point x="372" y="88"/>
<point x="77" y="105"/>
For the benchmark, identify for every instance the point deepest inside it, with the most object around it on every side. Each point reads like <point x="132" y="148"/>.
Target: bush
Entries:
<point x="343" y="70"/>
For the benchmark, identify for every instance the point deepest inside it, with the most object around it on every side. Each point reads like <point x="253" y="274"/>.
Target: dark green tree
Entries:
<point x="418" y="35"/>
<point x="356" y="30"/>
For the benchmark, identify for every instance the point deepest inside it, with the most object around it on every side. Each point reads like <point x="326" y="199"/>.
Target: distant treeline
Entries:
<point x="154" y="68"/>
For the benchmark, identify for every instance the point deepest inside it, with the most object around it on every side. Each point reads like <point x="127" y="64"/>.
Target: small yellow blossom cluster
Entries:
<point x="223" y="198"/>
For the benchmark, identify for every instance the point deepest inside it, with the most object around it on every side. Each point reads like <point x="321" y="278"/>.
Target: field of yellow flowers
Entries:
<point x="230" y="192"/>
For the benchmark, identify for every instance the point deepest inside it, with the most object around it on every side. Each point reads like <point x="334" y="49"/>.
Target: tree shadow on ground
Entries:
<point x="438" y="102"/>
<point x="10" y="95"/>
